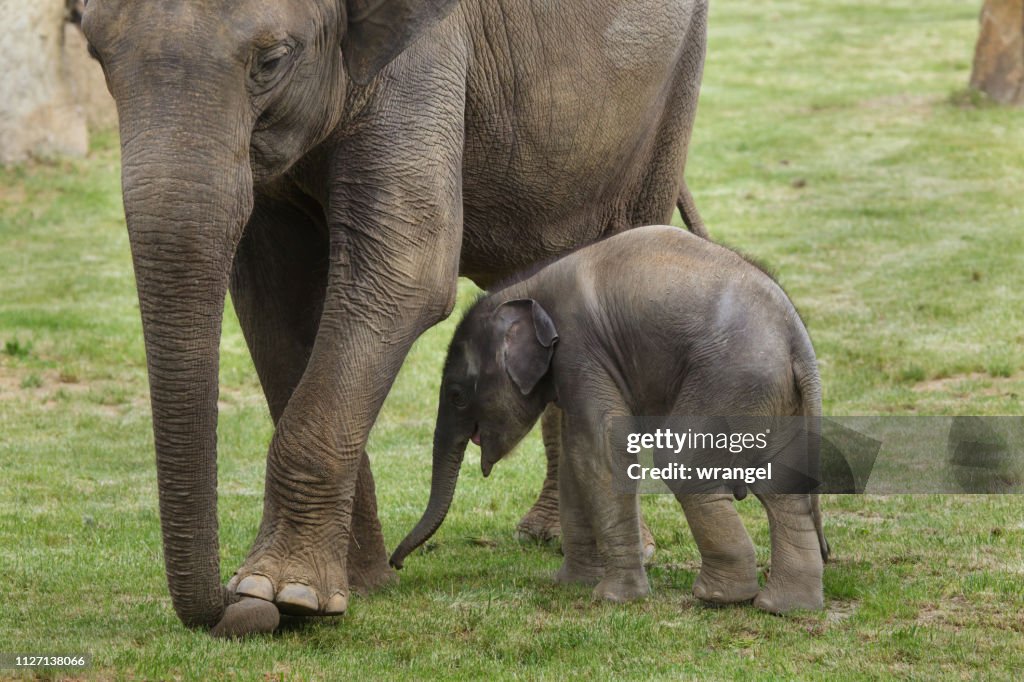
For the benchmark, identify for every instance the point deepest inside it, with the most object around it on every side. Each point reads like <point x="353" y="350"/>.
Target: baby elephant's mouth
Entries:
<point x="476" y="435"/>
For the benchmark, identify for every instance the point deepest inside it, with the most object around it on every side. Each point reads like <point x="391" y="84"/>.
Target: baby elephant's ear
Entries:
<point x="528" y="341"/>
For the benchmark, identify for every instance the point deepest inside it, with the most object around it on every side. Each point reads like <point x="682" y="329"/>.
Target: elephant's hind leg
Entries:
<point x="728" y="564"/>
<point x="367" y="566"/>
<point x="794" y="581"/>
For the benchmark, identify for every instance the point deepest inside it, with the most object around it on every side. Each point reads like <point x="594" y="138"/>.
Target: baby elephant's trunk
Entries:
<point x="447" y="463"/>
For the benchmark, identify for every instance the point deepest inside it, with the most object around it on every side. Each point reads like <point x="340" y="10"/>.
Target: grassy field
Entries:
<point x="835" y="143"/>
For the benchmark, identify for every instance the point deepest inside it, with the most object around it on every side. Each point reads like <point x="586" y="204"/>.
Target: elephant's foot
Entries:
<point x="541" y="524"/>
<point x="369" y="571"/>
<point x="727" y="576"/>
<point x="788" y="593"/>
<point x="301" y="569"/>
<point x="794" y="581"/>
<point x="647" y="543"/>
<point x="623" y="586"/>
<point x="729" y="587"/>
<point x="317" y="586"/>
<point x="308" y="561"/>
<point x="247" y="617"/>
<point x="575" y="573"/>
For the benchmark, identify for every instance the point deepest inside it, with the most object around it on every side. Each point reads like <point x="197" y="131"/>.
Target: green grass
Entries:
<point x="835" y="142"/>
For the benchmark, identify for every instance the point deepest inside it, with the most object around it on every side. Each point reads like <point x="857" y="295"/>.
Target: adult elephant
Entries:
<point x="337" y="164"/>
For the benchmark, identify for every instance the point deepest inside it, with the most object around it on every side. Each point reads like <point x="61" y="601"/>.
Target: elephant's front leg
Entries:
<point x="278" y="286"/>
<point x="613" y="516"/>
<point x="394" y="216"/>
<point x="541" y="523"/>
<point x="379" y="299"/>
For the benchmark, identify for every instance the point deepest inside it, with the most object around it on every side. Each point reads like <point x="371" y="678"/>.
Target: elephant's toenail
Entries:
<point x="247" y="617"/>
<point x="297" y="598"/>
<point x="337" y="604"/>
<point x="257" y="586"/>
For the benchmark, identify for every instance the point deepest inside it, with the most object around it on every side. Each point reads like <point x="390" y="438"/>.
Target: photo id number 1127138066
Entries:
<point x="28" y="661"/>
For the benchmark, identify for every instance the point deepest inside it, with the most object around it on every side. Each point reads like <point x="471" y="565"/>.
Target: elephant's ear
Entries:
<point x="528" y="341"/>
<point x="378" y="30"/>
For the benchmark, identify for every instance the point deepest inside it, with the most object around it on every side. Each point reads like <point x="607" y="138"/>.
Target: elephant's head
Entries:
<point x="214" y="96"/>
<point x="496" y="382"/>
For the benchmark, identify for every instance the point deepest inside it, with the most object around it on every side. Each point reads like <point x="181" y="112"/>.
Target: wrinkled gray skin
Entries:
<point x="336" y="164"/>
<point x="654" y="321"/>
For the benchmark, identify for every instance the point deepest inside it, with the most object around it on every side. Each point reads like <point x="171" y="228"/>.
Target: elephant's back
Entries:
<point x="565" y="103"/>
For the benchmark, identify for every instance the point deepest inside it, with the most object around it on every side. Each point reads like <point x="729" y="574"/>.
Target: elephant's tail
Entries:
<point x="688" y="210"/>
<point x="808" y="383"/>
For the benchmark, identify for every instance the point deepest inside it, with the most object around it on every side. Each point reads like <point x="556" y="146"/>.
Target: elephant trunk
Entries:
<point x="447" y="464"/>
<point x="187" y="197"/>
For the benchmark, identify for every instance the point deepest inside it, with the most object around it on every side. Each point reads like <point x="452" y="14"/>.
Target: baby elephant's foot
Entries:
<point x="731" y="583"/>
<point x="574" y="573"/>
<point x="791" y="595"/>
<point x="623" y="587"/>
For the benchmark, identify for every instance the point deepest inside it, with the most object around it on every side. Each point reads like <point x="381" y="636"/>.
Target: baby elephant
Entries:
<point x="653" y="321"/>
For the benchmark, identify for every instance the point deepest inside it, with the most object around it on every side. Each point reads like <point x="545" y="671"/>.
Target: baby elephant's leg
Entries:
<point x="728" y="565"/>
<point x="794" y="581"/>
<point x="542" y="523"/>
<point x="617" y="527"/>
<point x="613" y="516"/>
<point x="582" y="562"/>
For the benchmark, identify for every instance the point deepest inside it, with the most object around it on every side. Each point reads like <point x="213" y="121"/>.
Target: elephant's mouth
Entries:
<point x="476" y="435"/>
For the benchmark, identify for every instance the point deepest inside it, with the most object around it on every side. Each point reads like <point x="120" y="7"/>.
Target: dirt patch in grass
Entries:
<point x="235" y="397"/>
<point x="903" y="101"/>
<point x="12" y="194"/>
<point x="971" y="384"/>
<point x="9" y="385"/>
<point x="951" y="384"/>
<point x="957" y="612"/>
<point x="16" y="383"/>
<point x="945" y="612"/>
<point x="839" y="610"/>
<point x="53" y="389"/>
<point x="836" y="611"/>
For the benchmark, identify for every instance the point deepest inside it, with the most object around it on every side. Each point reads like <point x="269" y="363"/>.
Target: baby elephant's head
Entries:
<point x="495" y="386"/>
<point x="496" y="379"/>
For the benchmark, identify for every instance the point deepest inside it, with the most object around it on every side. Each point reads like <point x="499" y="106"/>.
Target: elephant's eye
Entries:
<point x="269" y="64"/>
<point x="458" y="397"/>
